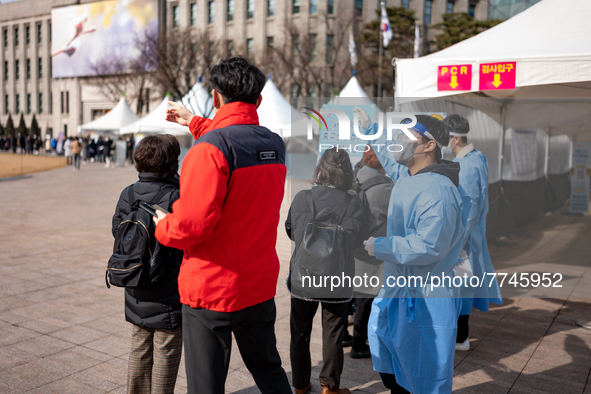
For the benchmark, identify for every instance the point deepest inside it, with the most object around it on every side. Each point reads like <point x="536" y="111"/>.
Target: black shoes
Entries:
<point x="359" y="353"/>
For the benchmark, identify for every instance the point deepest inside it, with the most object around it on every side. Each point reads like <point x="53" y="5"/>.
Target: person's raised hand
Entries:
<point x="178" y="114"/>
<point x="363" y="117"/>
<point x="369" y="245"/>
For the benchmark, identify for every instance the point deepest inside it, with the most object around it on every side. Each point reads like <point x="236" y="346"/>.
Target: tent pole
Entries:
<point x="380" y="43"/>
<point x="547" y="153"/>
<point x="502" y="140"/>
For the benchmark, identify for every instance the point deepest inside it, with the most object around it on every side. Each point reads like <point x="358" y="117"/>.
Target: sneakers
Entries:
<point x="325" y="390"/>
<point x="359" y="353"/>
<point x="304" y="391"/>
<point x="464" y="346"/>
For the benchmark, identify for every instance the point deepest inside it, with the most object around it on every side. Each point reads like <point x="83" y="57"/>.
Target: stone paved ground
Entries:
<point x="62" y="331"/>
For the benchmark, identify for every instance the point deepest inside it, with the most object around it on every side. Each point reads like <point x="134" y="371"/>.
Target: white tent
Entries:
<point x="155" y="122"/>
<point x="549" y="43"/>
<point x="121" y="115"/>
<point x="198" y="101"/>
<point x="352" y="90"/>
<point x="276" y="114"/>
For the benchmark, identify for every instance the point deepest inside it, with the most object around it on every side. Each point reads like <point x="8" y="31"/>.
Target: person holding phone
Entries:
<point x="154" y="310"/>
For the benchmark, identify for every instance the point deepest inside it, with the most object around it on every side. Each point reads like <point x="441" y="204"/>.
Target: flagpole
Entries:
<point x="381" y="51"/>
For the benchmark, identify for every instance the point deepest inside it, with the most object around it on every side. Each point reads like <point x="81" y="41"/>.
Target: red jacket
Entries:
<point x="231" y="188"/>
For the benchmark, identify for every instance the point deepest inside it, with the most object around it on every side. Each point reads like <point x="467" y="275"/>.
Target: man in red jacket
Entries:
<point x="231" y="188"/>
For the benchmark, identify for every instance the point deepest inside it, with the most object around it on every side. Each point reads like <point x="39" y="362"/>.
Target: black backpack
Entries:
<point x="320" y="253"/>
<point x="372" y="227"/>
<point x="137" y="257"/>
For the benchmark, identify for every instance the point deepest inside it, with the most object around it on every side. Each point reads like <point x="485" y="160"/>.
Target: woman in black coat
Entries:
<point x="333" y="180"/>
<point x="154" y="310"/>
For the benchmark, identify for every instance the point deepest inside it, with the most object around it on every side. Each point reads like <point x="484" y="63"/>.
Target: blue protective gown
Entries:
<point x="412" y="330"/>
<point x="474" y="181"/>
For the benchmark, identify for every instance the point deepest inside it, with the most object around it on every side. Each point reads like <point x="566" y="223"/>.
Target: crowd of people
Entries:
<point x="27" y="145"/>
<point x="399" y="213"/>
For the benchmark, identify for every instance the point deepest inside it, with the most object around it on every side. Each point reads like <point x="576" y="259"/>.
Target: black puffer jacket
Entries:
<point x="155" y="306"/>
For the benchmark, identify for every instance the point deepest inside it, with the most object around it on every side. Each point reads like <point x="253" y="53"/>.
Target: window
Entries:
<point x="295" y="90"/>
<point x="67" y="102"/>
<point x="329" y="47"/>
<point x="16" y="36"/>
<point x="296" y="48"/>
<point x="210" y="11"/>
<point x="230" y="14"/>
<point x="358" y="7"/>
<point x="40" y="103"/>
<point x="406" y="4"/>
<point x="28" y="34"/>
<point x="270" y="7"/>
<point x="428" y="11"/>
<point x="6" y="106"/>
<point x="472" y="9"/>
<point x="249" y="47"/>
<point x="193" y="14"/>
<point x="6" y="70"/>
<point x="230" y="47"/>
<point x="330" y="7"/>
<point x="5" y="33"/>
<point x="313" y="7"/>
<point x="147" y="100"/>
<point x="39" y="34"/>
<point x="313" y="49"/>
<point x="249" y="9"/>
<point x="295" y="9"/>
<point x="17" y="71"/>
<point x="449" y="7"/>
<point x="270" y="44"/>
<point x="40" y="68"/>
<point x="28" y="68"/>
<point x="312" y="91"/>
<point x="62" y="101"/>
<point x="66" y="130"/>
<point x="17" y="104"/>
<point x="176" y="17"/>
<point x="28" y="103"/>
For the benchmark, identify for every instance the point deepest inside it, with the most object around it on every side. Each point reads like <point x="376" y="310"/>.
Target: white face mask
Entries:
<point x="448" y="150"/>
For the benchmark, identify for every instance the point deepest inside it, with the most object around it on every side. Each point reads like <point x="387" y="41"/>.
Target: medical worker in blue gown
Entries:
<point x="476" y="259"/>
<point x="412" y="329"/>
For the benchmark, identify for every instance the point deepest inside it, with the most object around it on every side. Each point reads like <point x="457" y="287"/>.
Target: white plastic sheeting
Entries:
<point x="559" y="159"/>
<point x="121" y="115"/>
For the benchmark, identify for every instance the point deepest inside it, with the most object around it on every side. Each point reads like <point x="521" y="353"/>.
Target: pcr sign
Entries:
<point x="454" y="77"/>
<point x="497" y="76"/>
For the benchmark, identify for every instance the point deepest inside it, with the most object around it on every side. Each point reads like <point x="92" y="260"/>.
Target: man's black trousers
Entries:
<point x="207" y="338"/>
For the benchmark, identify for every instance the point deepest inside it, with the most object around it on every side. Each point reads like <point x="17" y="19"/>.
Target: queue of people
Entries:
<point x="401" y="213"/>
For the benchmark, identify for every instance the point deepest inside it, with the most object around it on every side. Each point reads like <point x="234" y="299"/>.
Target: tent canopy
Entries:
<point x="353" y="90"/>
<point x="155" y="122"/>
<point x="198" y="101"/>
<point x="275" y="113"/>
<point x="552" y="58"/>
<point x="553" y="69"/>
<point x="121" y="115"/>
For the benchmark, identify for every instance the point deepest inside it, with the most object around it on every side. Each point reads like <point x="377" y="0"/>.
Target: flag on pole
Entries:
<point x="352" y="50"/>
<point x="417" y="40"/>
<point x="386" y="29"/>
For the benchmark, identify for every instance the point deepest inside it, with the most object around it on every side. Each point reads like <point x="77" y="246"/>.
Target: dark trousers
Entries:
<point x="360" y="323"/>
<point x="463" y="328"/>
<point x="390" y="383"/>
<point x="334" y="318"/>
<point x="207" y="338"/>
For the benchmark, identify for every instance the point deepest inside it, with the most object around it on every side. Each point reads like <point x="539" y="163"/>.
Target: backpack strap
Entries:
<point x="130" y="197"/>
<point x="310" y="203"/>
<point x="376" y="180"/>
